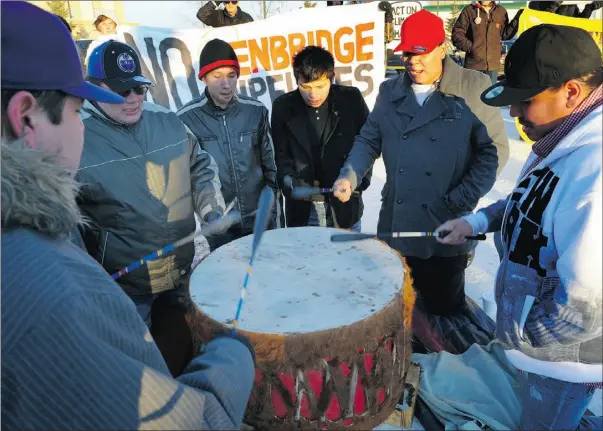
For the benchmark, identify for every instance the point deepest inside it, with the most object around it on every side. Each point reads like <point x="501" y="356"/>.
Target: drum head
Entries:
<point x="301" y="282"/>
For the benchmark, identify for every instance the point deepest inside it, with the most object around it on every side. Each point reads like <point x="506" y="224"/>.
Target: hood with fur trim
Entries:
<point x="37" y="193"/>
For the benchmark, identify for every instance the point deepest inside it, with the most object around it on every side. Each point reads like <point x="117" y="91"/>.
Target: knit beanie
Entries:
<point x="215" y="54"/>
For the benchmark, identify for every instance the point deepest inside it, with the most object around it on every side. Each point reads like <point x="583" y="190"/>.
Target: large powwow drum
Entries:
<point x="330" y="323"/>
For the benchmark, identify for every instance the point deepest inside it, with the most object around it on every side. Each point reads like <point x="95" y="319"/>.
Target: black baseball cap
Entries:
<point x="117" y="65"/>
<point x="45" y="58"/>
<point x="544" y="56"/>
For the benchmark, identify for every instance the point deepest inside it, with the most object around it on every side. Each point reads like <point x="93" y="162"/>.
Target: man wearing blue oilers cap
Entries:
<point x="75" y="353"/>
<point x="144" y="177"/>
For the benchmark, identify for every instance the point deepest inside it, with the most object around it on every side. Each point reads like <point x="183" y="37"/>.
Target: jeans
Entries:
<point x="551" y="404"/>
<point x="492" y="74"/>
<point x="320" y="215"/>
<point x="144" y="303"/>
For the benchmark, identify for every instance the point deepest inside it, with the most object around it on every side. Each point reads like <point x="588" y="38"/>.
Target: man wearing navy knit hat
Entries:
<point x="235" y="130"/>
<point x="75" y="354"/>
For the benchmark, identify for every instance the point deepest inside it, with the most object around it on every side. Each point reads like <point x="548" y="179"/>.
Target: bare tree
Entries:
<point x="267" y="8"/>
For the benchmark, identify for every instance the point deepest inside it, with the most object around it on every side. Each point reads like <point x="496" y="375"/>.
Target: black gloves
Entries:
<point x="212" y="216"/>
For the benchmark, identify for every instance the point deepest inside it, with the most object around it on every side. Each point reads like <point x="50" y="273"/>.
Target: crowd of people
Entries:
<point x="94" y="177"/>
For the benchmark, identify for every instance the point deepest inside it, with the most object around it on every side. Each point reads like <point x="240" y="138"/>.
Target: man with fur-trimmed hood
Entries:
<point x="75" y="353"/>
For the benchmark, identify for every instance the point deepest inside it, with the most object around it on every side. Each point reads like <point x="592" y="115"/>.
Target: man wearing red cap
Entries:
<point x="439" y="144"/>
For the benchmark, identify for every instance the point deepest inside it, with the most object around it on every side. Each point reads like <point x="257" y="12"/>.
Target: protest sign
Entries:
<point x="353" y="34"/>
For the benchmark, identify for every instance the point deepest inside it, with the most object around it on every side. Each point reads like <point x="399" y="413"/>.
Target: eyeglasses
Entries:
<point x="138" y="90"/>
<point x="230" y="2"/>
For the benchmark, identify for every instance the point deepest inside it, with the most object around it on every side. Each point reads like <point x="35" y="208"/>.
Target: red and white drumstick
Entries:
<point x="344" y="237"/>
<point x="262" y="218"/>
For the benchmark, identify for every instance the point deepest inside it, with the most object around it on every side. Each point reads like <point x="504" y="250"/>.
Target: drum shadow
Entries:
<point x="172" y="333"/>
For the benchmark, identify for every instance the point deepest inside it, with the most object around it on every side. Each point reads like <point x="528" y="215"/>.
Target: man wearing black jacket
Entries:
<point x="210" y="15"/>
<point x="313" y="128"/>
<point x="570" y="10"/>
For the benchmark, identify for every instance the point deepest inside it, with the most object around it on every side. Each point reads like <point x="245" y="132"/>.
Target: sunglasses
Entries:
<point x="138" y="90"/>
<point x="230" y="2"/>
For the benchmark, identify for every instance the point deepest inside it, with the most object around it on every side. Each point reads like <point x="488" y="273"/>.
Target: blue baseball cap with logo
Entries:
<point x="38" y="53"/>
<point x="117" y="65"/>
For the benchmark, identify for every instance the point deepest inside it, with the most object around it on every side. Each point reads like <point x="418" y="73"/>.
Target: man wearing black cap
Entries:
<point x="75" y="354"/>
<point x="144" y="177"/>
<point x="549" y="282"/>
<point x="235" y="130"/>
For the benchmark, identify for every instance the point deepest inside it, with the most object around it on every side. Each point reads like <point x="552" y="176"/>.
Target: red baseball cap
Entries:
<point x="421" y="33"/>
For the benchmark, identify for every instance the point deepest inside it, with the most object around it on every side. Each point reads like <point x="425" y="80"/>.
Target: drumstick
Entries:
<point x="308" y="192"/>
<point x="219" y="225"/>
<point x="344" y="237"/>
<point x="262" y="218"/>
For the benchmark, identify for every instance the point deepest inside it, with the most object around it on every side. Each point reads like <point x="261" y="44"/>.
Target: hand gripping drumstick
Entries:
<point x="344" y="237"/>
<point x="219" y="225"/>
<point x="308" y="192"/>
<point x="262" y="218"/>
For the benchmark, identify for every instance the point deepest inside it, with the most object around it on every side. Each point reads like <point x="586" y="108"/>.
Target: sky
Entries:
<point x="181" y="14"/>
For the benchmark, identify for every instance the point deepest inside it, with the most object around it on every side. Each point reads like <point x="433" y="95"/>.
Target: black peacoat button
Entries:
<point x="432" y="138"/>
<point x="401" y="170"/>
<point x="405" y="136"/>
<point x="424" y="206"/>
<point x="428" y="173"/>
<point x="400" y="201"/>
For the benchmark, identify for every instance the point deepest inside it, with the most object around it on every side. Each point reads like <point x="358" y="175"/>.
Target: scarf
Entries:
<point x="544" y="146"/>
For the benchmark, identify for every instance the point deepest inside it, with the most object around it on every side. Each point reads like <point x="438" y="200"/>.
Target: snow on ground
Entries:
<point x="480" y="275"/>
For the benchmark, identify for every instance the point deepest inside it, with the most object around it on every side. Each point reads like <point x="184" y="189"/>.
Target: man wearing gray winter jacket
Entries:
<point x="235" y="130"/>
<point x="143" y="177"/>
<point x="75" y="353"/>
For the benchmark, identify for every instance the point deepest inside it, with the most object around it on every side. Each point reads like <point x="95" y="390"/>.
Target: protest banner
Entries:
<point x="530" y="18"/>
<point x="353" y="34"/>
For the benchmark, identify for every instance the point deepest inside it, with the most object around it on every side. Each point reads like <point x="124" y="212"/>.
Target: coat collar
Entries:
<point x="435" y="106"/>
<point x="37" y="193"/>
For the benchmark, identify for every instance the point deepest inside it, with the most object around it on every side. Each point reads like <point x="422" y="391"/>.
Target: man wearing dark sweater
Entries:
<point x="75" y="353"/>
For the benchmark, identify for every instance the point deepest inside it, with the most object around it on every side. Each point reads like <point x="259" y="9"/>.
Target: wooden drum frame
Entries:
<point x="345" y="377"/>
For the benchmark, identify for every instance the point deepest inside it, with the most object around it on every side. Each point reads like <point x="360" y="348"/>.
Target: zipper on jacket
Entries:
<point x="234" y="173"/>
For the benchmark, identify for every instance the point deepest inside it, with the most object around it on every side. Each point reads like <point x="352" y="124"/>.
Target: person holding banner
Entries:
<point x="210" y="15"/>
<point x="439" y="145"/>
<point x="235" y="130"/>
<point x="144" y="177"/>
<point x="314" y="128"/>
<point x="75" y="353"/>
<point x="548" y="285"/>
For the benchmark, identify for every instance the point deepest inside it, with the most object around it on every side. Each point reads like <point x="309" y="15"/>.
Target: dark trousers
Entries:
<point x="439" y="283"/>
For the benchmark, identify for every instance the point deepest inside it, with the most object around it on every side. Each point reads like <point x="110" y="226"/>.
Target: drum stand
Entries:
<point x="403" y="415"/>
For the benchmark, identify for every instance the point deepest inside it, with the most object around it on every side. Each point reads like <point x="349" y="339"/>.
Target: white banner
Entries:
<point x="353" y="34"/>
